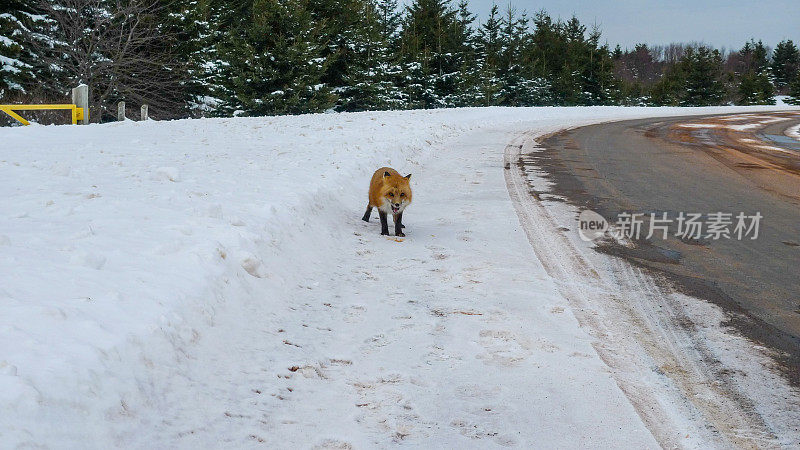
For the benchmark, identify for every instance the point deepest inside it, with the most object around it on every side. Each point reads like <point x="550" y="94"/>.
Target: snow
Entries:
<point x="209" y="283"/>
<point x="793" y="132"/>
<point x="10" y="64"/>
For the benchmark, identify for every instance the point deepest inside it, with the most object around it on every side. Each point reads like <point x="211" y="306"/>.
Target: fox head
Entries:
<point x="396" y="191"/>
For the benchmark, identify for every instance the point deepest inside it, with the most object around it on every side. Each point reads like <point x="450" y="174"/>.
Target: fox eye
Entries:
<point x="391" y="195"/>
<point x="402" y="194"/>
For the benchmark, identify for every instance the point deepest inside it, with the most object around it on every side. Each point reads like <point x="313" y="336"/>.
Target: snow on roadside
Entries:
<point x="164" y="276"/>
<point x="793" y="132"/>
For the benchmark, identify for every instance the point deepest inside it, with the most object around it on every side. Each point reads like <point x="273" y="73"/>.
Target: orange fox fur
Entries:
<point x="390" y="192"/>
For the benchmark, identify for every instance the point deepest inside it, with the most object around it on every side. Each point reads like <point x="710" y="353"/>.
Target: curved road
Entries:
<point x="730" y="164"/>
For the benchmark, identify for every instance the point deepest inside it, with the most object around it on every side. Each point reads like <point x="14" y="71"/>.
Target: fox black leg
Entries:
<point x="384" y="223"/>
<point x="398" y="225"/>
<point x="367" y="214"/>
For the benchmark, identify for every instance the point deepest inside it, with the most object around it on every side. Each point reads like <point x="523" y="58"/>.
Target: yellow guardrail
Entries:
<point x="77" y="113"/>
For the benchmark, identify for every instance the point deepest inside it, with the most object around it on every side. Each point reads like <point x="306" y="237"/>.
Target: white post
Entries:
<point x="121" y="111"/>
<point x="144" y="112"/>
<point x="80" y="97"/>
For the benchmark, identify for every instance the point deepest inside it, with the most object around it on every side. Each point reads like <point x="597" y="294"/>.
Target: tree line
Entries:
<point x="264" y="57"/>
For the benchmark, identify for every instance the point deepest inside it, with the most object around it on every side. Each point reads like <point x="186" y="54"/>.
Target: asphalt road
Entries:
<point x="700" y="165"/>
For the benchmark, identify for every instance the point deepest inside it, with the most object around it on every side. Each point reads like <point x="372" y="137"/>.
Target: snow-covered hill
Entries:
<point x="209" y="283"/>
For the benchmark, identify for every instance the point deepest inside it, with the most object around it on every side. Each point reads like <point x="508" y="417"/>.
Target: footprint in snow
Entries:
<point x="503" y="348"/>
<point x="333" y="444"/>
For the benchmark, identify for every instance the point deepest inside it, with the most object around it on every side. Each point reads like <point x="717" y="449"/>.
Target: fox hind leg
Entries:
<point x="367" y="214"/>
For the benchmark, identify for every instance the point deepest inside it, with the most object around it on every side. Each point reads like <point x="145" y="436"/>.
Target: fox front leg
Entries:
<point x="384" y="223"/>
<point x="367" y="214"/>
<point x="398" y="224"/>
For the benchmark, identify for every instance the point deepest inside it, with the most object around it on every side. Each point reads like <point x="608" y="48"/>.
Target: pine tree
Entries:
<point x="569" y="76"/>
<point x="669" y="89"/>
<point x="389" y="18"/>
<point x="273" y="62"/>
<point x="755" y="89"/>
<point x="785" y="64"/>
<point x="754" y="86"/>
<point x="794" y="91"/>
<point x="617" y="54"/>
<point x="18" y="74"/>
<point x="598" y="85"/>
<point x="389" y="68"/>
<point x="14" y="73"/>
<point x="465" y="79"/>
<point x="366" y="64"/>
<point x="431" y="48"/>
<point x="760" y="57"/>
<point x="511" y="68"/>
<point x="702" y="67"/>
<point x="205" y="26"/>
<point x="547" y="59"/>
<point x="349" y="34"/>
<point x="489" y="53"/>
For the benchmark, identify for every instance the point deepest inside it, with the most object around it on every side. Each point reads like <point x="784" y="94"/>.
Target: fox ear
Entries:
<point x="386" y="174"/>
<point x="408" y="176"/>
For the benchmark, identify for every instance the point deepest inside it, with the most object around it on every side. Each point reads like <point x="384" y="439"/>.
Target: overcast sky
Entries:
<point x="722" y="23"/>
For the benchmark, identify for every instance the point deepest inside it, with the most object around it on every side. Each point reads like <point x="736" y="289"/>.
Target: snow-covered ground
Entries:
<point x="793" y="132"/>
<point x="209" y="283"/>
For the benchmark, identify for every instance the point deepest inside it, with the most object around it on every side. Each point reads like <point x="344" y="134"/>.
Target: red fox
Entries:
<point x="389" y="192"/>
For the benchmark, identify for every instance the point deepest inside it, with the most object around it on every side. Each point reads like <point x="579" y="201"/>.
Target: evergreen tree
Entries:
<point x="598" y="86"/>
<point x="669" y="89"/>
<point x="389" y="64"/>
<point x="568" y="78"/>
<point x="465" y="90"/>
<point x="794" y="91"/>
<point x="755" y="89"/>
<point x="760" y="60"/>
<point x="389" y="18"/>
<point x="702" y="68"/>
<point x="273" y="63"/>
<point x="206" y="23"/>
<point x="695" y="80"/>
<point x="754" y="86"/>
<point x="432" y="50"/>
<point x="548" y="59"/>
<point x="785" y="63"/>
<point x="617" y="54"/>
<point x="20" y="24"/>
<point x="489" y="52"/>
<point x="349" y="34"/>
<point x="511" y="70"/>
<point x="520" y="84"/>
<point x="366" y="62"/>
<point x="14" y="73"/>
